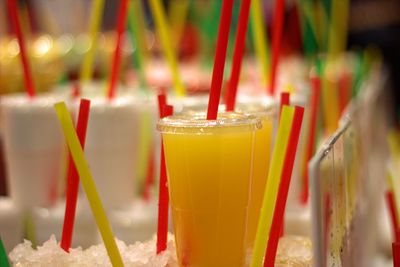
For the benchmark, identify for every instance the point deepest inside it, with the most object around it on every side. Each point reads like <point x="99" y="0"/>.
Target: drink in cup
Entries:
<point x="209" y="165"/>
<point x="262" y="151"/>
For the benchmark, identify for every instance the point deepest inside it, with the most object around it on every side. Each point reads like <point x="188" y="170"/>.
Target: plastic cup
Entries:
<point x="11" y="223"/>
<point x="111" y="148"/>
<point x="209" y="166"/>
<point x="266" y="112"/>
<point x="33" y="146"/>
<point x="49" y="221"/>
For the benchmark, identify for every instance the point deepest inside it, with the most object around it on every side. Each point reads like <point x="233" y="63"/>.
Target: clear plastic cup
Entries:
<point x="209" y="165"/>
<point x="34" y="147"/>
<point x="266" y="112"/>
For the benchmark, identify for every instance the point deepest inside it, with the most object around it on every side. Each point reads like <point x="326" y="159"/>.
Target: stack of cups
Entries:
<point x="33" y="147"/>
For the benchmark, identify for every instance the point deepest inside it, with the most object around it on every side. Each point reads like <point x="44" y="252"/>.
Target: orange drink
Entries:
<point x="262" y="152"/>
<point x="209" y="166"/>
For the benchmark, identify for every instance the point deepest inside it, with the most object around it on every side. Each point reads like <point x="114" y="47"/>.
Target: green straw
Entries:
<point x="138" y="58"/>
<point x="309" y="32"/>
<point x="3" y="256"/>
<point x="30" y="229"/>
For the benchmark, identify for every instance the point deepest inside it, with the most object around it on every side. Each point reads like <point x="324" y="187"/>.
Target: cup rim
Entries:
<point x="182" y="123"/>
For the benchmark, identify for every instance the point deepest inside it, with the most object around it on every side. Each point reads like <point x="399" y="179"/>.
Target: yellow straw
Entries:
<point x="30" y="229"/>
<point x="177" y="14"/>
<point x="164" y="34"/>
<point x="95" y="19"/>
<point x="271" y="189"/>
<point x="330" y="100"/>
<point x="260" y="39"/>
<point x="338" y="28"/>
<point x="88" y="184"/>
<point x="394" y="144"/>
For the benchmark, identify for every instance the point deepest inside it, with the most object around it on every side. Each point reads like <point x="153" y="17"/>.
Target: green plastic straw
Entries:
<point x="138" y="58"/>
<point x="3" y="256"/>
<point x="309" y="32"/>
<point x="30" y="229"/>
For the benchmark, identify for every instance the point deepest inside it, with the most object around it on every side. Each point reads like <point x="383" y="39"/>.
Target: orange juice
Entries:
<point x="209" y="166"/>
<point x="262" y="152"/>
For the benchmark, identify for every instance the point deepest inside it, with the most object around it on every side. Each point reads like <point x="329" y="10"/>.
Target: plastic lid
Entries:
<point x="197" y="123"/>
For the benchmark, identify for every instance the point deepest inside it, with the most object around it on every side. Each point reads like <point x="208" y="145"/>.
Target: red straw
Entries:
<point x="123" y="7"/>
<point x="285" y="100"/>
<point x="240" y="43"/>
<point x="73" y="178"/>
<point x="163" y="199"/>
<point x="392" y="210"/>
<point x="76" y="90"/>
<point x="149" y="176"/>
<point x="276" y="41"/>
<point x="286" y="175"/>
<point x="396" y="254"/>
<point x="219" y="60"/>
<point x="29" y="85"/>
<point x="315" y="96"/>
<point x="344" y="90"/>
<point x="162" y="102"/>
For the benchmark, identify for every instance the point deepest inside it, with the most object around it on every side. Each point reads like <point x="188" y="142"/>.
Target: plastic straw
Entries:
<point x="86" y="71"/>
<point x="309" y="32"/>
<point x="314" y="107"/>
<point x="271" y="188"/>
<point x="140" y="22"/>
<point x="3" y="256"/>
<point x="138" y="54"/>
<point x="285" y="101"/>
<point x="279" y="13"/>
<point x="177" y="13"/>
<point x="28" y="79"/>
<point x="164" y="35"/>
<point x="163" y="198"/>
<point x="219" y="59"/>
<point x="344" y="89"/>
<point x="30" y="232"/>
<point x="88" y="184"/>
<point x="240" y="44"/>
<point x="279" y="211"/>
<point x="162" y="102"/>
<point x="392" y="210"/>
<point x="73" y="179"/>
<point x="260" y="39"/>
<point x="144" y="146"/>
<point x="395" y="185"/>
<point x="330" y="101"/>
<point x="396" y="254"/>
<point x="149" y="181"/>
<point x="338" y="27"/>
<point x="122" y="13"/>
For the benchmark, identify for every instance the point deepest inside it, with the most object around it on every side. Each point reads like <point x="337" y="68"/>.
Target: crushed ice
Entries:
<point x="51" y="254"/>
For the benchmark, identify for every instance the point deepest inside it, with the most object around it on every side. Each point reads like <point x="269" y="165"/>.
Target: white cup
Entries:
<point x="111" y="148"/>
<point x="137" y="223"/>
<point x="49" y="221"/>
<point x="11" y="223"/>
<point x="33" y="146"/>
